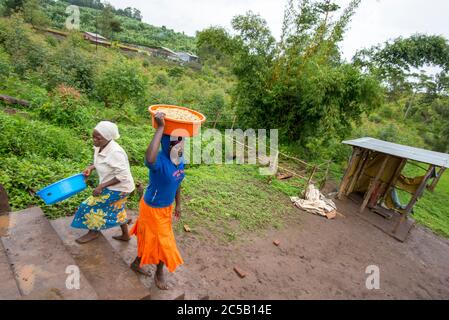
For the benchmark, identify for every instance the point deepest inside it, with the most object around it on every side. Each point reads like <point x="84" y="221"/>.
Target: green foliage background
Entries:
<point x="298" y="84"/>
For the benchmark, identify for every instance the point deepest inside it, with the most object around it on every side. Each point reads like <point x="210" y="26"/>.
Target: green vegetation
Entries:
<point x="50" y="140"/>
<point x="299" y="84"/>
<point x="218" y="195"/>
<point x="432" y="210"/>
<point x="119" y="28"/>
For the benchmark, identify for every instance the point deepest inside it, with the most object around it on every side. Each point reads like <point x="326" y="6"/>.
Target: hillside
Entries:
<point x="132" y="30"/>
<point x="50" y="139"/>
<point x="71" y="85"/>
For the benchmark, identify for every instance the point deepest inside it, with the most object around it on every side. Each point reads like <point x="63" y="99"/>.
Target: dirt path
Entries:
<point x="317" y="259"/>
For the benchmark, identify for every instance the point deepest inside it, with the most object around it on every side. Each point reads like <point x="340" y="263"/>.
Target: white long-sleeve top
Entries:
<point x="112" y="162"/>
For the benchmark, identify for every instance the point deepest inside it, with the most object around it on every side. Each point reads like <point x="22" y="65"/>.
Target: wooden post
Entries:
<point x="216" y="119"/>
<point x="377" y="194"/>
<point x="437" y="179"/>
<point x="415" y="197"/>
<point x="359" y="171"/>
<point x="4" y="204"/>
<point x="374" y="183"/>
<point x="309" y="180"/>
<point x="395" y="177"/>
<point x="233" y="122"/>
<point x="312" y="174"/>
<point x="323" y="182"/>
<point x="345" y="179"/>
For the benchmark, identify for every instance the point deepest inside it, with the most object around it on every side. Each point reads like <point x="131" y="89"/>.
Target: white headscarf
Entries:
<point x="108" y="130"/>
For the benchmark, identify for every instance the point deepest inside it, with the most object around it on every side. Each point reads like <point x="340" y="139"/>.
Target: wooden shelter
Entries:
<point x="375" y="171"/>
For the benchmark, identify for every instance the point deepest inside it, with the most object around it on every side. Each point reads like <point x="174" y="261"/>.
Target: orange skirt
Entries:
<point x="155" y="238"/>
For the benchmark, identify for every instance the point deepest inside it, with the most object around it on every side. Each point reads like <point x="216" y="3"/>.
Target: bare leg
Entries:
<point x="125" y="234"/>
<point x="159" y="278"/>
<point x="91" y="235"/>
<point x="135" y="266"/>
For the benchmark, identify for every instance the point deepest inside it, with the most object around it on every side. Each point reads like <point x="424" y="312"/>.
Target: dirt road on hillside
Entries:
<point x="316" y="259"/>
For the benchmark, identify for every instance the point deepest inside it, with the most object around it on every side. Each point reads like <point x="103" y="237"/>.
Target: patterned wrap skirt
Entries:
<point x="155" y="238"/>
<point x="101" y="212"/>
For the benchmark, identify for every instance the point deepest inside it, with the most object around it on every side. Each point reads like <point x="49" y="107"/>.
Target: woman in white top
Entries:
<point x="106" y="207"/>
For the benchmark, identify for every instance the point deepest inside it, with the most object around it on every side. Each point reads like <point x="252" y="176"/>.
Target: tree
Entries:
<point x="108" y="22"/>
<point x="393" y="62"/>
<point x="33" y="13"/>
<point x="215" y="43"/>
<point x="115" y="25"/>
<point x="12" y="6"/>
<point x="128" y="12"/>
<point x="440" y="130"/>
<point x="299" y="84"/>
<point x="254" y="33"/>
<point x="137" y="14"/>
<point x="2" y="9"/>
<point x="424" y="95"/>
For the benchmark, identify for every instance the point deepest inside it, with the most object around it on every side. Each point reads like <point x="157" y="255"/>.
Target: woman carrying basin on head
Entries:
<point x="153" y="228"/>
<point x="106" y="207"/>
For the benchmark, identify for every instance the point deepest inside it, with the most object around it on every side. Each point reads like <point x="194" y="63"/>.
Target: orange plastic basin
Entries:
<point x="176" y="127"/>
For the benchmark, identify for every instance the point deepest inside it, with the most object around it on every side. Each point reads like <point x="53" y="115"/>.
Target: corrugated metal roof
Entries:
<point x="95" y="35"/>
<point x="169" y="50"/>
<point x="394" y="149"/>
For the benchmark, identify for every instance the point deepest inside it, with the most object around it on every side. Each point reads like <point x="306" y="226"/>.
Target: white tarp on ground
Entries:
<point x="315" y="202"/>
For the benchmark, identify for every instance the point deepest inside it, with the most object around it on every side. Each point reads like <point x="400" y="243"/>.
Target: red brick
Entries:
<point x="240" y="272"/>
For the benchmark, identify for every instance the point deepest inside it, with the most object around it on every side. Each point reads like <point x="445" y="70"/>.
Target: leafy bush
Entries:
<point x="135" y="141"/>
<point x="386" y="112"/>
<point x="161" y="78"/>
<point x="23" y="177"/>
<point x="214" y="103"/>
<point x="67" y="107"/>
<point x="5" y="64"/>
<point x="22" y="137"/>
<point x="389" y="133"/>
<point x="375" y="118"/>
<point x="26" y="90"/>
<point x="176" y="72"/>
<point x="121" y="81"/>
<point x="15" y="38"/>
<point x="33" y="13"/>
<point x="71" y="65"/>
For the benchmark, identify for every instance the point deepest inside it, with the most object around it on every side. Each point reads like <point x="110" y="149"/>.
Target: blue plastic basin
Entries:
<point x="63" y="189"/>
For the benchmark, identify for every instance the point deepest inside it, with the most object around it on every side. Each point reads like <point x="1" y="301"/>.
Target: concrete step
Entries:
<point x="103" y="267"/>
<point x="39" y="258"/>
<point x="128" y="252"/>
<point x="8" y="288"/>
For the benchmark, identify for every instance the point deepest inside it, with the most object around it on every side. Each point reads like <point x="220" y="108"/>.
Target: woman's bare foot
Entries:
<point x="91" y="235"/>
<point x="125" y="234"/>
<point x="135" y="266"/>
<point x="122" y="237"/>
<point x="159" y="278"/>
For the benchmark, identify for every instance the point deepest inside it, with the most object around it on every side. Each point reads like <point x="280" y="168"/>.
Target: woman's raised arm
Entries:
<point x="153" y="147"/>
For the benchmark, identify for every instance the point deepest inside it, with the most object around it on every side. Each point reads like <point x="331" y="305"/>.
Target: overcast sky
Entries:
<point x="376" y="21"/>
